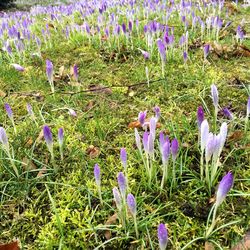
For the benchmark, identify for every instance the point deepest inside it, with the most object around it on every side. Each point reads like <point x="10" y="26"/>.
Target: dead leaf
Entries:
<point x="42" y="172"/>
<point x="28" y="164"/>
<point x="209" y="246"/>
<point x="61" y="71"/>
<point x="111" y="221"/>
<point x="244" y="244"/>
<point x="29" y="142"/>
<point x="236" y="136"/>
<point x="40" y="137"/>
<point x="10" y="246"/>
<point x="242" y="51"/>
<point x="89" y="106"/>
<point x="93" y="151"/>
<point x="100" y="89"/>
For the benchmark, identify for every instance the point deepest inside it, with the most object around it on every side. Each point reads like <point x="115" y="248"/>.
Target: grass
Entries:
<point x="61" y="209"/>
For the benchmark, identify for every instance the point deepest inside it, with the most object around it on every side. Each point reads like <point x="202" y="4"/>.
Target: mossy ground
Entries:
<point x="73" y="217"/>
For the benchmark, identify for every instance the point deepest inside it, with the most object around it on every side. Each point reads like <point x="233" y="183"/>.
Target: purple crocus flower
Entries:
<point x="151" y="145"/>
<point x="204" y="134"/>
<point x="60" y="136"/>
<point x="142" y="117"/>
<point x="157" y="111"/>
<point x="49" y="70"/>
<point x="4" y="139"/>
<point x="162" y="49"/>
<point x="174" y="148"/>
<point x="8" y="111"/>
<point x="185" y="56"/>
<point x="224" y="186"/>
<point x="75" y="72"/>
<point x="152" y="127"/>
<point x="162" y="236"/>
<point x="200" y="116"/>
<point x="18" y="67"/>
<point x="49" y="139"/>
<point x="210" y="147"/>
<point x="206" y="49"/>
<point x="122" y="183"/>
<point x="227" y="113"/>
<point x="248" y="107"/>
<point x="145" y="141"/>
<point x="97" y="174"/>
<point x="215" y="95"/>
<point x="123" y="156"/>
<point x="117" y="198"/>
<point x="165" y="152"/>
<point x="131" y="202"/>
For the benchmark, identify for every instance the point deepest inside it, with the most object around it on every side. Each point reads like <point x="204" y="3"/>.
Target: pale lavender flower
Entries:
<point x="174" y="148"/>
<point x="60" y="136"/>
<point x="49" y="139"/>
<point x="151" y="145"/>
<point x="30" y="110"/>
<point x="200" y="116"/>
<point x="145" y="141"/>
<point x="224" y="186"/>
<point x="204" y="134"/>
<point x="142" y="117"/>
<point x="131" y="202"/>
<point x="8" y="111"/>
<point x="152" y="127"/>
<point x="206" y="49"/>
<point x="17" y="67"/>
<point x="123" y="157"/>
<point x="157" y="111"/>
<point x="122" y="183"/>
<point x="162" y="140"/>
<point x="162" y="236"/>
<point x="145" y="54"/>
<point x="166" y="152"/>
<point x="49" y="70"/>
<point x="215" y="95"/>
<point x="138" y="140"/>
<point x="248" y="107"/>
<point x="4" y="139"/>
<point x="97" y="174"/>
<point x="210" y="147"/>
<point x="117" y="198"/>
<point x="72" y="112"/>
<point x="223" y="135"/>
<point x="185" y="56"/>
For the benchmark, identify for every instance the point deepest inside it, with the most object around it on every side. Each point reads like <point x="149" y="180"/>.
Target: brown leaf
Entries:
<point x="244" y="244"/>
<point x="29" y="142"/>
<point x="242" y="51"/>
<point x="209" y="246"/>
<point x="40" y="137"/>
<point x="89" y="106"/>
<point x="42" y="172"/>
<point x="136" y="124"/>
<point x="10" y="246"/>
<point x="92" y="151"/>
<point x="111" y="220"/>
<point x="236" y="136"/>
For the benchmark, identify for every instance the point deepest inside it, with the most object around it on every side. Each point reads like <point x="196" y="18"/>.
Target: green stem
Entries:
<point x="209" y="231"/>
<point x="136" y="227"/>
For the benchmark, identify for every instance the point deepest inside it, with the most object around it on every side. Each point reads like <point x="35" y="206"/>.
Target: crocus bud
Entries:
<point x="4" y="139"/>
<point x="200" y="116"/>
<point x="75" y="72"/>
<point x="162" y="236"/>
<point x="165" y="152"/>
<point x="227" y="113"/>
<point x="206" y="49"/>
<point x="48" y="138"/>
<point x="17" y="67"/>
<point x="97" y="174"/>
<point x="123" y="156"/>
<point x="204" y="134"/>
<point x="210" y="147"/>
<point x="151" y="144"/>
<point x="122" y="183"/>
<point x="185" y="56"/>
<point x="60" y="136"/>
<point x="30" y="110"/>
<point x="72" y="112"/>
<point x="162" y="49"/>
<point x="8" y="110"/>
<point x="152" y="127"/>
<point x="248" y="107"/>
<point x="117" y="198"/>
<point x="49" y="71"/>
<point x="157" y="112"/>
<point x="223" y="135"/>
<point x="215" y="95"/>
<point x="142" y="117"/>
<point x="225" y="185"/>
<point x="174" y="148"/>
<point x="131" y="202"/>
<point x="137" y="139"/>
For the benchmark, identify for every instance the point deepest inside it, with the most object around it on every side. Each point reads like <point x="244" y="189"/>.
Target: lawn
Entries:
<point x="83" y="166"/>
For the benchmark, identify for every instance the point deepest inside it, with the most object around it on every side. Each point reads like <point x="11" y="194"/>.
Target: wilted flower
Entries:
<point x="122" y="183"/>
<point x="200" y="116"/>
<point x="123" y="156"/>
<point x="225" y="185"/>
<point x="162" y="236"/>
